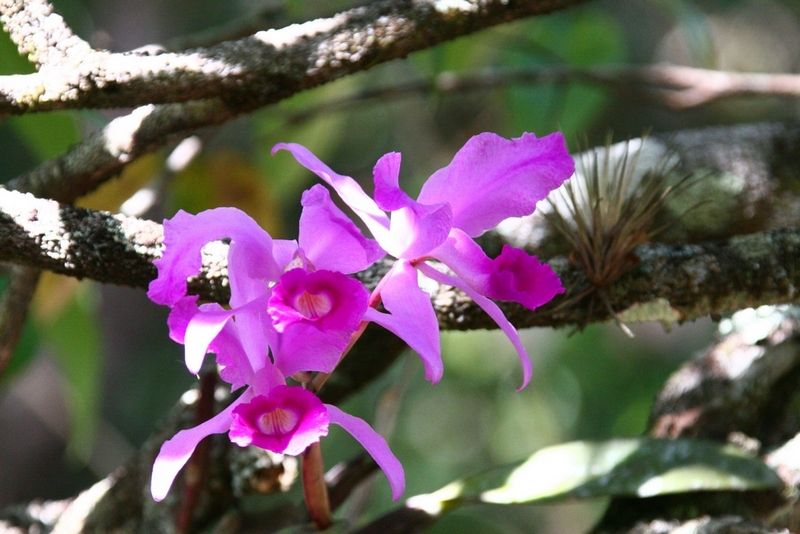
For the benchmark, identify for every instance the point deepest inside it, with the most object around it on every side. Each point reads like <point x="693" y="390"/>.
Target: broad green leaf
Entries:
<point x="642" y="467"/>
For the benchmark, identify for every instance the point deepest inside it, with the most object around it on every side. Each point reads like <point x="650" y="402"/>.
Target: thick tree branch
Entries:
<point x="78" y="242"/>
<point x="672" y="283"/>
<point x="41" y="35"/>
<point x="224" y="81"/>
<point x="104" y="154"/>
<point x="247" y="73"/>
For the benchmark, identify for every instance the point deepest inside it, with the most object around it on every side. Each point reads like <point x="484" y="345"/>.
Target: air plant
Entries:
<point x="609" y="208"/>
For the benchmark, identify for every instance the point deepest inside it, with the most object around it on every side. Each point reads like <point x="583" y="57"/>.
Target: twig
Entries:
<point x="104" y="154"/>
<point x="673" y="86"/>
<point x="14" y="308"/>
<point x="42" y="35"/>
<point x="686" y="87"/>
<point x="196" y="470"/>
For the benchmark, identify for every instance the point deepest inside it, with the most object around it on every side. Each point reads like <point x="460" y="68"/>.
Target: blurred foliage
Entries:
<point x="73" y="333"/>
<point x="594" y="472"/>
<point x="581" y="38"/>
<point x="111" y="195"/>
<point x="123" y="373"/>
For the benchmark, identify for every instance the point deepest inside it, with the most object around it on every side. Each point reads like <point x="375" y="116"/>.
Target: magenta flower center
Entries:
<point x="325" y="300"/>
<point x="278" y="422"/>
<point x="286" y="420"/>
<point x="313" y="305"/>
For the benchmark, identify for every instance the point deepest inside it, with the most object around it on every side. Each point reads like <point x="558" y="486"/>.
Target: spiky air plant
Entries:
<point x="609" y="208"/>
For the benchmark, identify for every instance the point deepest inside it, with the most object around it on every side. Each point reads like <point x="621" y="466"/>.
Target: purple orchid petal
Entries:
<point x="419" y="229"/>
<point x="201" y="331"/>
<point x="411" y="317"/>
<point x="303" y="347"/>
<point x="184" y="237"/>
<point x="314" y="315"/>
<point x="415" y="228"/>
<point x="375" y="445"/>
<point x="492" y="310"/>
<point x="176" y="452"/>
<point x="465" y="258"/>
<point x="179" y="317"/>
<point x="209" y="321"/>
<point x="348" y="189"/>
<point x="266" y="379"/>
<point x="245" y="287"/>
<point x="329" y="239"/>
<point x="514" y="275"/>
<point x="284" y="250"/>
<point x="388" y="194"/>
<point x="492" y="178"/>
<point x="286" y="421"/>
<point x="235" y="367"/>
<point x="520" y="277"/>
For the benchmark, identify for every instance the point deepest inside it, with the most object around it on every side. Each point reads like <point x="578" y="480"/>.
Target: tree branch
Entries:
<point x="247" y="73"/>
<point x="41" y="35"/>
<point x="672" y="283"/>
<point x="14" y="308"/>
<point x="674" y="86"/>
<point x="222" y="82"/>
<point x="104" y="154"/>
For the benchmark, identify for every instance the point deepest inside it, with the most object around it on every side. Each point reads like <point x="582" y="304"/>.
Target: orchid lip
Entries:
<point x="278" y="421"/>
<point x="313" y="305"/>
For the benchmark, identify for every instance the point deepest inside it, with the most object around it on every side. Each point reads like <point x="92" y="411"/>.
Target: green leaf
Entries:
<point x="642" y="467"/>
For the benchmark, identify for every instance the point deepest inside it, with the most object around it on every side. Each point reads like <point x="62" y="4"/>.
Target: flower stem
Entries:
<point x="314" y="488"/>
<point x="319" y="380"/>
<point x="197" y="467"/>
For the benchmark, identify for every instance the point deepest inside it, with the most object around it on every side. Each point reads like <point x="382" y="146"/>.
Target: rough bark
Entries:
<point x="244" y="74"/>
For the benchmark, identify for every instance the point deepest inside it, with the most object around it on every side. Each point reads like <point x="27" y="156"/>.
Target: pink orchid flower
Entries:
<point x="294" y="295"/>
<point x="490" y="179"/>
<point x="280" y="418"/>
<point x="297" y="291"/>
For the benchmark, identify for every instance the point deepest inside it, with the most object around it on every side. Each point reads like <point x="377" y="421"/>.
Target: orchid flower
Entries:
<point x="280" y="418"/>
<point x="298" y="292"/>
<point x="489" y="179"/>
<point x="292" y="297"/>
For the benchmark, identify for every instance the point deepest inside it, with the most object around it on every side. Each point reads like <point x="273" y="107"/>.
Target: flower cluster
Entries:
<point x="294" y="309"/>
